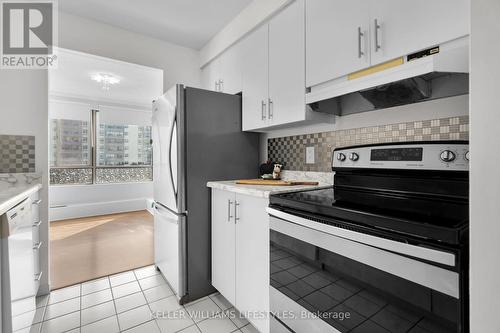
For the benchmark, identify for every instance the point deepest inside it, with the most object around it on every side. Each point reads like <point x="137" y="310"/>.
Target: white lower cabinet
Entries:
<point x="240" y="253"/>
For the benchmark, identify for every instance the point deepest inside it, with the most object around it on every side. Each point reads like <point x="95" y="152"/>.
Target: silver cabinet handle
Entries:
<point x="360" y="37"/>
<point x="263" y="110"/>
<point x="37" y="246"/>
<point x="217" y="86"/>
<point x="221" y="85"/>
<point x="38" y="276"/>
<point x="229" y="216"/>
<point x="378" y="46"/>
<point x="37" y="224"/>
<point x="271" y="108"/>
<point x="236" y="218"/>
<point x="37" y="202"/>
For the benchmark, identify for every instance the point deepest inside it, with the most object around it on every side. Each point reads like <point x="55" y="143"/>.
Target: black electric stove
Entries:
<point x="407" y="200"/>
<point x="388" y="240"/>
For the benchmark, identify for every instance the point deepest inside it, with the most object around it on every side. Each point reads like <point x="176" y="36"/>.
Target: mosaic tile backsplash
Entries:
<point x="291" y="150"/>
<point x="17" y="154"/>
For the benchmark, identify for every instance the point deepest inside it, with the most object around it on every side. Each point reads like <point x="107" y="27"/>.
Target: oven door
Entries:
<point x="329" y="279"/>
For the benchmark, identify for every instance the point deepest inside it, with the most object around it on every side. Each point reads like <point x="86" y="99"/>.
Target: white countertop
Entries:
<point x="12" y="196"/>
<point x="262" y="191"/>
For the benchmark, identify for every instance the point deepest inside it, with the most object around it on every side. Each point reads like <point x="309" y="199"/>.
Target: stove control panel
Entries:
<point x="426" y="156"/>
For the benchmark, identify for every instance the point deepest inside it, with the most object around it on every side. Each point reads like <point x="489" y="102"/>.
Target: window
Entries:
<point x="122" y="152"/>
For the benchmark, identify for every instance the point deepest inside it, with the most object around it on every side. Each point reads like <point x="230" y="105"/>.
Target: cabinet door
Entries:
<point x="334" y="44"/>
<point x="287" y="65"/>
<point x="223" y="243"/>
<point x="210" y="75"/>
<point x="408" y="26"/>
<point x="255" y="79"/>
<point x="252" y="257"/>
<point x="230" y="70"/>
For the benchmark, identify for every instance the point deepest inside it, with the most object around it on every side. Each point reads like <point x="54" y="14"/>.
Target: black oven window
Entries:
<point x="332" y="286"/>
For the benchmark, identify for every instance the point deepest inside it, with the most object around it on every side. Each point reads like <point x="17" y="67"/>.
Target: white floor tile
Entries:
<point x="95" y="285"/>
<point x="145" y="272"/>
<point x="165" y="305"/>
<point x="152" y="281"/>
<point x="108" y="325"/>
<point x="249" y="329"/>
<point x="221" y="301"/>
<point x="149" y="327"/>
<point x="62" y="324"/>
<point x="202" y="310"/>
<point x="62" y="308"/>
<point x="191" y="329"/>
<point x="129" y="302"/>
<point x="64" y="294"/>
<point x="126" y="289"/>
<point x="157" y="293"/>
<point x="26" y="319"/>
<point x="236" y="317"/>
<point x="174" y="321"/>
<point x="134" y="317"/>
<point x="96" y="298"/>
<point x="32" y="329"/>
<point x="122" y="278"/>
<point x="217" y="324"/>
<point x="98" y="312"/>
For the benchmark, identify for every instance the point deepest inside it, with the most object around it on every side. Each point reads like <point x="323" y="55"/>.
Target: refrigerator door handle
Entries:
<point x="174" y="124"/>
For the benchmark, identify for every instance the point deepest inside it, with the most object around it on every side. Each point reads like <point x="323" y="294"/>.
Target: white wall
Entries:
<point x="73" y="201"/>
<point x="484" y="167"/>
<point x="440" y="108"/>
<point x="23" y="111"/>
<point x="179" y="64"/>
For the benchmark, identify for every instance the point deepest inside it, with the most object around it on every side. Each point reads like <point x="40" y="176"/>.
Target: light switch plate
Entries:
<point x="310" y="155"/>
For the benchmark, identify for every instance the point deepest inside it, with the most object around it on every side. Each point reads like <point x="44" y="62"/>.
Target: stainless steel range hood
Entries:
<point x="435" y="73"/>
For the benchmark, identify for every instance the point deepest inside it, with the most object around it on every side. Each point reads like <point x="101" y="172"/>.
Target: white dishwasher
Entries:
<point x="18" y="276"/>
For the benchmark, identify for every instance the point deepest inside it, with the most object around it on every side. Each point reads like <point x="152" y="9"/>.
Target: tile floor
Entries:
<point x="138" y="301"/>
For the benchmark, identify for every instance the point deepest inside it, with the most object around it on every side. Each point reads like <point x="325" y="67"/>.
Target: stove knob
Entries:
<point x="447" y="156"/>
<point x="353" y="157"/>
<point x="341" y="157"/>
<point x="467" y="156"/>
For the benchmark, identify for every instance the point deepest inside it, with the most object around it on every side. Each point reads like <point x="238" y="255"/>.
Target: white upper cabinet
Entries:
<point x="403" y="27"/>
<point x="286" y="101"/>
<point x="255" y="79"/>
<point x="223" y="74"/>
<point x="343" y="36"/>
<point x="337" y="38"/>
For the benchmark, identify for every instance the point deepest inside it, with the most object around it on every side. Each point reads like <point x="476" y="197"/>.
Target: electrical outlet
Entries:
<point x="310" y="155"/>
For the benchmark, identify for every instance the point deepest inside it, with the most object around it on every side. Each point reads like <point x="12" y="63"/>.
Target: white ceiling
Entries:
<point x="191" y="23"/>
<point x="138" y="86"/>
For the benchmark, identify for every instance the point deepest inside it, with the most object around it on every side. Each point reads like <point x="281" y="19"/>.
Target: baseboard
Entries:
<point x="57" y="213"/>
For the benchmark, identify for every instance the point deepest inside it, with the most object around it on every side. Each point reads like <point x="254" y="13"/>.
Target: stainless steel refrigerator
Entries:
<point x="197" y="138"/>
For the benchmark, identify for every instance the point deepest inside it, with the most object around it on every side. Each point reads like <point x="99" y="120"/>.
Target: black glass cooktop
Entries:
<point x="433" y="217"/>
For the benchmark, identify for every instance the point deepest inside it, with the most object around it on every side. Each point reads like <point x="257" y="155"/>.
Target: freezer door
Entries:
<point x="165" y="149"/>
<point x="170" y="248"/>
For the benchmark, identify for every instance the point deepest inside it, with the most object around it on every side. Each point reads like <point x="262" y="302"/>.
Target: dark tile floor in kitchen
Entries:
<point x="330" y="295"/>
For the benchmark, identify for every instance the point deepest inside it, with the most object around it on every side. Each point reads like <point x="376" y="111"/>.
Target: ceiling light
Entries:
<point x="106" y="80"/>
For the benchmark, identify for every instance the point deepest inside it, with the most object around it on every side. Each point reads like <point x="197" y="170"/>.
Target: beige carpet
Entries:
<point x="87" y="248"/>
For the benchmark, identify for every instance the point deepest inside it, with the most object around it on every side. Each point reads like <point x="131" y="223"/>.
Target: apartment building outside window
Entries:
<point x="93" y="152"/>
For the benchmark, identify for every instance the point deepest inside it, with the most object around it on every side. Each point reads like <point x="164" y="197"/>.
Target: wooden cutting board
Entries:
<point x="273" y="182"/>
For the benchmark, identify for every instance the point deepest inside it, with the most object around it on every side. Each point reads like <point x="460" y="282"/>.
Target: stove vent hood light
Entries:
<point x="440" y="72"/>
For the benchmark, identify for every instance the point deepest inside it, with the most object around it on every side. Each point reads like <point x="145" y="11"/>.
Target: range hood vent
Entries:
<point x="442" y="72"/>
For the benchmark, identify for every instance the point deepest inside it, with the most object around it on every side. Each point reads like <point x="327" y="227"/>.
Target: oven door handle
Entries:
<point x="440" y="257"/>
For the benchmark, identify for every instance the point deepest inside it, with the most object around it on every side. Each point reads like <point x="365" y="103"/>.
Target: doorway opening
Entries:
<point x="101" y="169"/>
